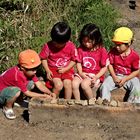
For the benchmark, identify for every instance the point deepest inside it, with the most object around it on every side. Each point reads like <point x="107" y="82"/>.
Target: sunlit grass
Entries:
<point x="28" y="23"/>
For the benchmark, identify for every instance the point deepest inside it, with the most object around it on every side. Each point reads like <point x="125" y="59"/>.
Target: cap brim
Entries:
<point x="117" y="42"/>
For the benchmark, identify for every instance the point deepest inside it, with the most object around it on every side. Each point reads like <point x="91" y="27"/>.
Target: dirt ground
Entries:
<point x="99" y="126"/>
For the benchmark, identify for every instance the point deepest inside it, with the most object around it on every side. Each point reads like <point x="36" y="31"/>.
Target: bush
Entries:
<point x="27" y="23"/>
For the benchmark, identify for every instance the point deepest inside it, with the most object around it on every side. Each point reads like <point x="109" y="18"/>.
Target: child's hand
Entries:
<point x="95" y="82"/>
<point x="116" y="80"/>
<point x="94" y="79"/>
<point x="122" y="82"/>
<point x="49" y="75"/>
<point x="83" y="75"/>
<point x="53" y="95"/>
<point x="46" y="96"/>
<point x="62" y="70"/>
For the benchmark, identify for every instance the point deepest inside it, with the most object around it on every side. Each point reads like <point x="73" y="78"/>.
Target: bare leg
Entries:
<point x="75" y="88"/>
<point x="86" y="86"/>
<point x="58" y="85"/>
<point x="68" y="88"/>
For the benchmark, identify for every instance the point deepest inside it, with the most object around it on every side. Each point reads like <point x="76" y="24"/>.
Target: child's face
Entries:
<point x="29" y="72"/>
<point x="88" y="43"/>
<point x="59" y="45"/>
<point x="121" y="48"/>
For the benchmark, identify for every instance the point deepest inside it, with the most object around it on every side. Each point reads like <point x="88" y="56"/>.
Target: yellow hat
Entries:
<point x="29" y="59"/>
<point x="123" y="34"/>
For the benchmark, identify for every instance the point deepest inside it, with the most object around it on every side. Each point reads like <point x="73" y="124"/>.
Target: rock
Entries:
<point x="70" y="102"/>
<point x="113" y="103"/>
<point x="118" y="104"/>
<point x="62" y="101"/>
<point x="79" y="102"/>
<point x="91" y="101"/>
<point x="84" y="103"/>
<point x="106" y="102"/>
<point x="53" y="101"/>
<point x="99" y="101"/>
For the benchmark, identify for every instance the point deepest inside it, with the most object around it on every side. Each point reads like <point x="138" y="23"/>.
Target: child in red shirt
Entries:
<point x="58" y="58"/>
<point x="124" y="67"/>
<point x="21" y="78"/>
<point x="92" y="62"/>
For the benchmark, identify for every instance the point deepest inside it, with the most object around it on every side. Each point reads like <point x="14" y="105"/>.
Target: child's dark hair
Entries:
<point x="92" y="32"/>
<point x="61" y="32"/>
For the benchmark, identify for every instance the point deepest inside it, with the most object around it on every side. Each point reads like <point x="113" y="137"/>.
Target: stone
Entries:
<point x="105" y="102"/>
<point x="99" y="101"/>
<point x="113" y="103"/>
<point x="84" y="103"/>
<point x="62" y="101"/>
<point x="91" y="101"/>
<point x="70" y="102"/>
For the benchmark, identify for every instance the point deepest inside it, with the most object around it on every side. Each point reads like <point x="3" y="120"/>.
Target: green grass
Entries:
<point x="27" y="23"/>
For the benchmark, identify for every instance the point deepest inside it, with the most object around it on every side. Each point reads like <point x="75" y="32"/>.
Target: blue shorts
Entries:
<point x="8" y="93"/>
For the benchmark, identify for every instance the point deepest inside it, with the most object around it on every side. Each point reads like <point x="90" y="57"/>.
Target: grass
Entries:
<point x="27" y="23"/>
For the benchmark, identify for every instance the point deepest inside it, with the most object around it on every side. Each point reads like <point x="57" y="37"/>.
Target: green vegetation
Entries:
<point x="27" y="23"/>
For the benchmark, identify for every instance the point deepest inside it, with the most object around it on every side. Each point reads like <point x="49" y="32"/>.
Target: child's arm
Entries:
<point x="79" y="70"/>
<point x="132" y="75"/>
<point x="113" y="74"/>
<point x="48" y="71"/>
<point x="37" y="95"/>
<point x="43" y="88"/>
<point x="128" y="77"/>
<point x="101" y="72"/>
<point x="65" y="69"/>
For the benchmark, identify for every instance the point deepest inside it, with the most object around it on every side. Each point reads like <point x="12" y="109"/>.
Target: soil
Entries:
<point x="100" y="126"/>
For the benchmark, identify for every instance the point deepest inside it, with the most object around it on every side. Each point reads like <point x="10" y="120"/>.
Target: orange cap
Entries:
<point x="29" y="59"/>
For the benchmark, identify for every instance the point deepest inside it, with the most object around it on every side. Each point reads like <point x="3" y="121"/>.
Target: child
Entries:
<point x="92" y="63"/>
<point x="124" y="67"/>
<point x="18" y="79"/>
<point x="58" y="58"/>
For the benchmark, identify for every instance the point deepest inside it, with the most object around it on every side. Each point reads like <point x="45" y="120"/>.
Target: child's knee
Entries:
<point x="67" y="83"/>
<point x="58" y="85"/>
<point x="85" y="85"/>
<point x="17" y="94"/>
<point x="75" y="84"/>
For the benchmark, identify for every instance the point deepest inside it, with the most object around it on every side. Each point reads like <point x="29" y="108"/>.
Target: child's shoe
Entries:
<point x="9" y="113"/>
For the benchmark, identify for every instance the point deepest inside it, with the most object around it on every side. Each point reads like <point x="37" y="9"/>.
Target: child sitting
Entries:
<point x="58" y="58"/>
<point x="124" y="67"/>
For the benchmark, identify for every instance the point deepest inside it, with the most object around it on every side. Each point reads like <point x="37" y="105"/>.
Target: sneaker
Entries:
<point x="9" y="113"/>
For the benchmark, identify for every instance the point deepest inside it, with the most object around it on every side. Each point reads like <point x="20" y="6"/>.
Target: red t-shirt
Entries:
<point x="92" y="61"/>
<point x="58" y="57"/>
<point x="124" y="65"/>
<point x="15" y="77"/>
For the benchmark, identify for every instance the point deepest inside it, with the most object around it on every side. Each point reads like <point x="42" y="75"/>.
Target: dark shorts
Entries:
<point x="8" y="93"/>
<point x="67" y="75"/>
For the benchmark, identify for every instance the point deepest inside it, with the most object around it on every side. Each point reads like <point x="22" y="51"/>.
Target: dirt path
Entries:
<point x="130" y="18"/>
<point x="97" y="125"/>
